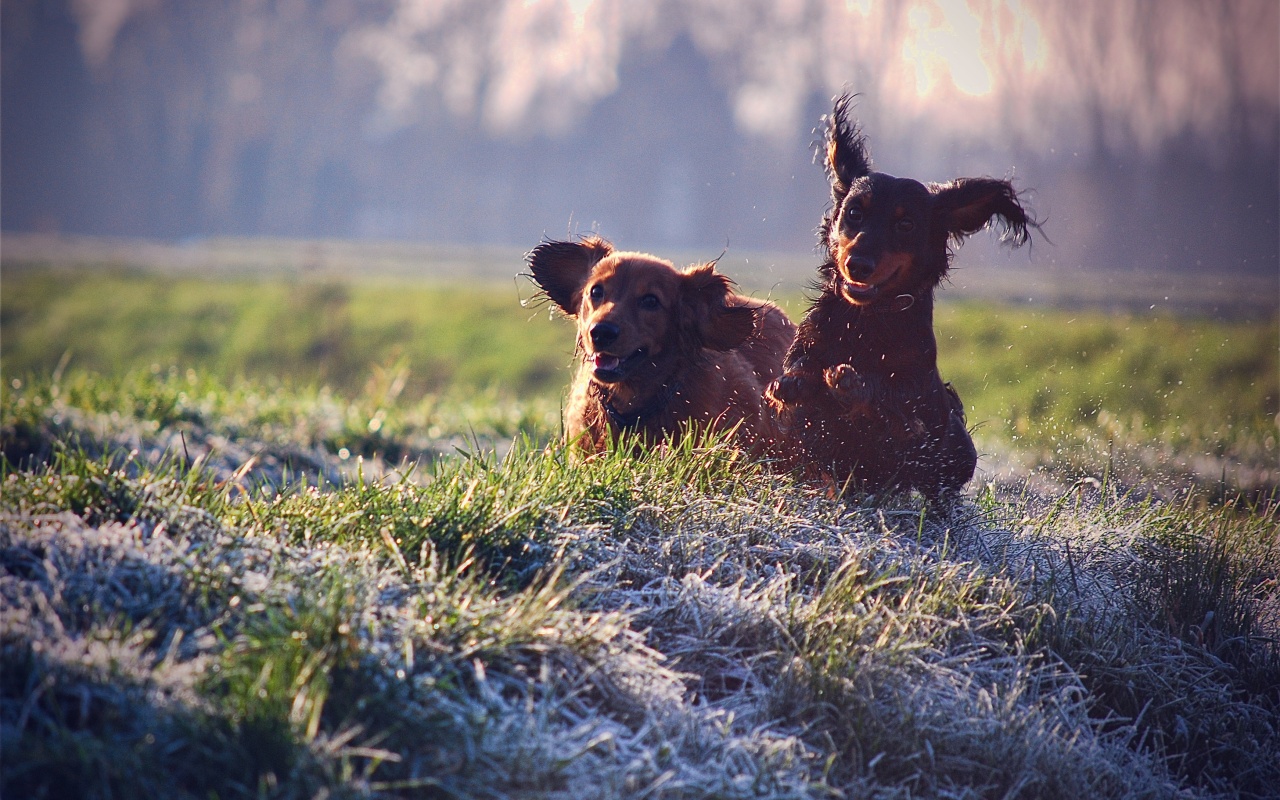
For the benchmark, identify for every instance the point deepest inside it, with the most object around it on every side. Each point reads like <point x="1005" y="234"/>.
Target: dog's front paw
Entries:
<point x="790" y="388"/>
<point x="847" y="385"/>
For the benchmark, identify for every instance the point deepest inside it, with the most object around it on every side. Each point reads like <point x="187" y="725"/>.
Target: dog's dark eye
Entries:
<point x="854" y="215"/>
<point x="906" y="225"/>
<point x="597" y="293"/>
<point x="650" y="302"/>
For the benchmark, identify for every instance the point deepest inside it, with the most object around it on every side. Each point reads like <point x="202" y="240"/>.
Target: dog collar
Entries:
<point x="899" y="304"/>
<point x="632" y="420"/>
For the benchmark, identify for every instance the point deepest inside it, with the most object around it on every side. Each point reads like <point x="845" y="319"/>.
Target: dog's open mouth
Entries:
<point x="610" y="368"/>
<point x="858" y="292"/>
<point x="865" y="292"/>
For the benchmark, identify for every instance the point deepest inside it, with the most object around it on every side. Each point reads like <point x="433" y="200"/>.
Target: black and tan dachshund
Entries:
<point x="860" y="399"/>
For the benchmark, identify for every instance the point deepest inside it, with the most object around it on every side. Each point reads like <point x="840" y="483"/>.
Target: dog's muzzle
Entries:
<point x="609" y="368"/>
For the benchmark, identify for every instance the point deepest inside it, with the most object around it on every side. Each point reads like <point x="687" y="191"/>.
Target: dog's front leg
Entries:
<point x="802" y="379"/>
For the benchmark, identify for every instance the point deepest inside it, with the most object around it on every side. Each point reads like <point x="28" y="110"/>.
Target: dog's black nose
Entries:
<point x="604" y="334"/>
<point x="859" y="267"/>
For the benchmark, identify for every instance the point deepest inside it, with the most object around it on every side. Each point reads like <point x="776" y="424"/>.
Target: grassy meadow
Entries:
<point x="301" y="536"/>
<point x="1165" y="400"/>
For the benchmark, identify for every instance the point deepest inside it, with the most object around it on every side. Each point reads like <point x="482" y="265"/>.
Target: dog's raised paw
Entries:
<point x="789" y="388"/>
<point x="847" y="385"/>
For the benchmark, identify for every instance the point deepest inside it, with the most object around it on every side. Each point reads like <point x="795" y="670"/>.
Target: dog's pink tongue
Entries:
<point x="606" y="362"/>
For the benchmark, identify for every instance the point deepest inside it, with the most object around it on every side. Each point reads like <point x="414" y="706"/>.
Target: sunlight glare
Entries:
<point x="579" y="9"/>
<point x="949" y="45"/>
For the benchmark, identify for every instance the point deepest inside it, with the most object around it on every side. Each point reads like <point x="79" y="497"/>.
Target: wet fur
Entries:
<point x="861" y="400"/>
<point x="691" y="351"/>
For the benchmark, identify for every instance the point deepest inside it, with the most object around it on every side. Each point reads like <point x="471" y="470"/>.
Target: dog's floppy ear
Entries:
<point x="965" y="206"/>
<point x="707" y="315"/>
<point x="561" y="269"/>
<point x="847" y="158"/>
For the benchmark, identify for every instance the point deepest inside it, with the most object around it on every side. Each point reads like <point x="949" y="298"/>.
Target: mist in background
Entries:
<point x="1146" y="132"/>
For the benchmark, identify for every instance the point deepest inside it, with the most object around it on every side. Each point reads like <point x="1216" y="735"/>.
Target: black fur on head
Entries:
<point x="966" y="205"/>
<point x="846" y="157"/>
<point x="942" y="215"/>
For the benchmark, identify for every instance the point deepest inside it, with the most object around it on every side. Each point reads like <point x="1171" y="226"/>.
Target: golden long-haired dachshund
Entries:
<point x="661" y="350"/>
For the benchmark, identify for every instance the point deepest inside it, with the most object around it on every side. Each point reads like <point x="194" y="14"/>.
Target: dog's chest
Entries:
<point x="879" y="343"/>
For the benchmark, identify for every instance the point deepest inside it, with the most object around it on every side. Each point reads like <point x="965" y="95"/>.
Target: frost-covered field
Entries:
<point x="202" y="597"/>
